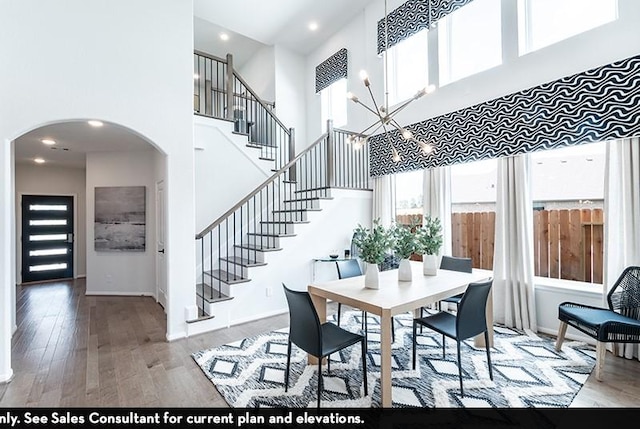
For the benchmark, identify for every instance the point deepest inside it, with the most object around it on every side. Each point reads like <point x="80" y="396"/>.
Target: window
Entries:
<point x="544" y="22"/>
<point x="409" y="197"/>
<point x="470" y="40"/>
<point x="408" y="67"/>
<point x="333" y="101"/>
<point x="568" y="200"/>
<point x="473" y="211"/>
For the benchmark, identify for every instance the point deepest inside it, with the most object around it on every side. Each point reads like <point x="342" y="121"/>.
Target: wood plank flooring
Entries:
<point x="73" y="350"/>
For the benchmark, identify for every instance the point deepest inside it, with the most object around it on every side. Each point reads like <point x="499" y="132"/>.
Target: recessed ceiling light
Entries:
<point x="224" y="36"/>
<point x="38" y="161"/>
<point x="48" y="141"/>
<point x="95" y="123"/>
<point x="313" y="26"/>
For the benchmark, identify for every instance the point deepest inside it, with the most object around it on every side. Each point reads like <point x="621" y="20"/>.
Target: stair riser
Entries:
<point x="308" y="204"/>
<point x="251" y="254"/>
<point x="237" y="252"/>
<point x="290" y="216"/>
<point x="278" y="228"/>
<point x="231" y="267"/>
<point x="224" y="287"/>
<point x="264" y="241"/>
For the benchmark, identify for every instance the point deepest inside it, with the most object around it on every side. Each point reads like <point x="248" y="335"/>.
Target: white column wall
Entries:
<point x="130" y="63"/>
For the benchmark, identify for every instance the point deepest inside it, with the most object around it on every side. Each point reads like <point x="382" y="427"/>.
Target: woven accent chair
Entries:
<point x="620" y="323"/>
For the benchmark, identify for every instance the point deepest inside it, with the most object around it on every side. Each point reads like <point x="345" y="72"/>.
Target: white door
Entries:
<point x="161" y="263"/>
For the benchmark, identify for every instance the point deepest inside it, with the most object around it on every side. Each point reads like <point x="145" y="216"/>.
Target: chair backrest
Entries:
<point x="624" y="296"/>
<point x="304" y="324"/>
<point x="348" y="268"/>
<point x="453" y="263"/>
<point x="471" y="318"/>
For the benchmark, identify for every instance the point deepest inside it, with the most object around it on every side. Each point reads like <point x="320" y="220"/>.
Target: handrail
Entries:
<point x="259" y="188"/>
<point x="259" y="100"/>
<point x="211" y="57"/>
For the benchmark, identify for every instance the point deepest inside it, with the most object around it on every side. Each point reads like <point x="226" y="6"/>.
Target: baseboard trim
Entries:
<point x="177" y="336"/>
<point x="81" y="276"/>
<point x="568" y="336"/>
<point x="7" y="377"/>
<point x="118" y="293"/>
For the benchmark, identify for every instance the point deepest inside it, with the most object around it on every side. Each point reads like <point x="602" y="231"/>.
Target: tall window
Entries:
<point x="568" y="200"/>
<point x="470" y="40"/>
<point x="333" y="101"/>
<point x="408" y="67"/>
<point x="409" y="196"/>
<point x="544" y="22"/>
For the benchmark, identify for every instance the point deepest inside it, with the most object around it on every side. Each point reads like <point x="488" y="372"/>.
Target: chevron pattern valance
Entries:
<point x="331" y="69"/>
<point x="414" y="16"/>
<point x="596" y="105"/>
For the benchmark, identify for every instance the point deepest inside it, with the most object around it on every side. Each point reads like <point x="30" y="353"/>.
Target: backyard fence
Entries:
<point x="568" y="244"/>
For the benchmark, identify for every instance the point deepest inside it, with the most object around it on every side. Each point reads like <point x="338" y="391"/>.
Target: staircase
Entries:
<point x="239" y="243"/>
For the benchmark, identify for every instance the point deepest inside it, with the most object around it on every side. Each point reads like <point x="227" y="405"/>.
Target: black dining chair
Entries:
<point x="351" y="268"/>
<point x="620" y="323"/>
<point x="454" y="263"/>
<point x="469" y="321"/>
<point x="317" y="339"/>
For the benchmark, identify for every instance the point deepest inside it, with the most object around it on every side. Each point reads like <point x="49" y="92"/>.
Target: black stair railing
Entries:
<point x="239" y="239"/>
<point x="220" y="92"/>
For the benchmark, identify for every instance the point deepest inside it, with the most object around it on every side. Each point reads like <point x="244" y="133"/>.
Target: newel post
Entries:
<point x="229" y="87"/>
<point x="330" y="168"/>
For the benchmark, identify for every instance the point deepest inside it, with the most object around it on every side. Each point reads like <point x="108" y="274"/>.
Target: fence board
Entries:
<point x="456" y="240"/>
<point x="464" y="247"/>
<point x="543" y="238"/>
<point x="598" y="245"/>
<point x="491" y="233"/>
<point x="587" y="244"/>
<point x="476" y="243"/>
<point x="565" y="251"/>
<point x="554" y="244"/>
<point x="576" y="260"/>
<point x="536" y="243"/>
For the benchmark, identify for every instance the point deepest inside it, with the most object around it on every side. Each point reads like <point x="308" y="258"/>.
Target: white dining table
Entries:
<point x="395" y="297"/>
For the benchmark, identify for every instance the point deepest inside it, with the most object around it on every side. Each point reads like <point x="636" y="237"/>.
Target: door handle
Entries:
<point x="70" y="238"/>
<point x="161" y="251"/>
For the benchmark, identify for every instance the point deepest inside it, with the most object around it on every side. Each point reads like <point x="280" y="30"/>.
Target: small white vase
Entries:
<point x="404" y="271"/>
<point x="430" y="265"/>
<point x="371" y="277"/>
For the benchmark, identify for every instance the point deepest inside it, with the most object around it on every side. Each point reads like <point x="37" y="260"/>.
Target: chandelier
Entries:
<point x="385" y="118"/>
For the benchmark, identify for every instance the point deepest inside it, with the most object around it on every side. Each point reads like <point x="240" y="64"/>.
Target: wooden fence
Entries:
<point x="568" y="244"/>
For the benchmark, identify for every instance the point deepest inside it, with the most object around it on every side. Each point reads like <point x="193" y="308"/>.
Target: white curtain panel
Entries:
<point x="622" y="211"/>
<point x="384" y="201"/>
<point x="436" y="201"/>
<point x="513" y="294"/>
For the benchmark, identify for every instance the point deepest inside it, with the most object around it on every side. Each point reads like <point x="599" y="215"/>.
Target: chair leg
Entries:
<point x="286" y="372"/>
<point x="460" y="368"/>
<point x="365" y="316"/>
<point x="414" y="343"/>
<point x="443" y="345"/>
<point x="601" y="352"/>
<point x="422" y="310"/>
<point x="339" y="311"/>
<point x="562" y="330"/>
<point x="393" y="331"/>
<point x="319" y="380"/>
<point x="363" y="346"/>
<point x="486" y="344"/>
<point x="328" y="364"/>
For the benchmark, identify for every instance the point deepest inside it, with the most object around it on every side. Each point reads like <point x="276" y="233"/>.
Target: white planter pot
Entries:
<point x="404" y="271"/>
<point x="430" y="265"/>
<point x="371" y="277"/>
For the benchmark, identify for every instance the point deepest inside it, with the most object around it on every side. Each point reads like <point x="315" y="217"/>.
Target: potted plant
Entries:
<point x="372" y="245"/>
<point x="404" y="244"/>
<point x="429" y="238"/>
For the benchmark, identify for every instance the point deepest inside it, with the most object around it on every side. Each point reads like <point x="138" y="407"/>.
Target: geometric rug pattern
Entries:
<point x="527" y="371"/>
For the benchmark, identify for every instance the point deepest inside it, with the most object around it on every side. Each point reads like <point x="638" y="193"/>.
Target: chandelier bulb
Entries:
<point x="351" y="96"/>
<point x="396" y="156"/>
<point x="426" y="147"/>
<point x="407" y="134"/>
<point x="365" y="77"/>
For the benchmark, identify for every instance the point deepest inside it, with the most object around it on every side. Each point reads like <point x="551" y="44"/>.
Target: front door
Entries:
<point x="47" y="237"/>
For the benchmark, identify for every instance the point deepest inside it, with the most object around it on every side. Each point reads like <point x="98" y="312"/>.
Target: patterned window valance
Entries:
<point x="331" y="69"/>
<point x="596" y="105"/>
<point x="414" y="16"/>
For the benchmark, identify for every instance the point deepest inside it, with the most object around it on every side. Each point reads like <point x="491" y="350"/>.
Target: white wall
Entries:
<point x="122" y="273"/>
<point x="130" y="63"/>
<point x="600" y="46"/>
<point x="52" y="180"/>
<point x="259" y="73"/>
<point x="290" y="94"/>
<point x="226" y="170"/>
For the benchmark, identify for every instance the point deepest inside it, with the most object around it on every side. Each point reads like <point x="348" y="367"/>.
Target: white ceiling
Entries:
<point x="251" y="24"/>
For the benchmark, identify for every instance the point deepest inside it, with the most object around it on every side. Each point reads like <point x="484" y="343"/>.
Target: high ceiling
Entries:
<point x="250" y="24"/>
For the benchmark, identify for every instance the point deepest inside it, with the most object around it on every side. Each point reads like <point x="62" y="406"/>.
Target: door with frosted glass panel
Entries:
<point x="47" y="237"/>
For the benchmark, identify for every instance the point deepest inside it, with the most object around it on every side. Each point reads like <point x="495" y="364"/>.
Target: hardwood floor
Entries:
<point x="73" y="350"/>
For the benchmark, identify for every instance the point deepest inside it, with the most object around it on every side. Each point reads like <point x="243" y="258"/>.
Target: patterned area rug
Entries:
<point x="527" y="371"/>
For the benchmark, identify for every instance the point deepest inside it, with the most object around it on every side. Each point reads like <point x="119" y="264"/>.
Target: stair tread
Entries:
<point x="309" y="209"/>
<point x="267" y="234"/>
<point x="266" y="159"/>
<point x="260" y="145"/>
<point x="237" y="260"/>
<point x="283" y="221"/>
<point x="229" y="278"/>
<point x="210" y="295"/>
<point x="314" y="189"/>
<point x="260" y="248"/>
<point x="307" y="199"/>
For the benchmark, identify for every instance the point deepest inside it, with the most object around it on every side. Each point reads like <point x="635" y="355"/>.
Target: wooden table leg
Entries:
<point x="320" y="304"/>
<point x="385" y="359"/>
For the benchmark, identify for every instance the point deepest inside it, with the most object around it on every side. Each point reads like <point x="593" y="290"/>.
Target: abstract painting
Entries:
<point x="120" y="218"/>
